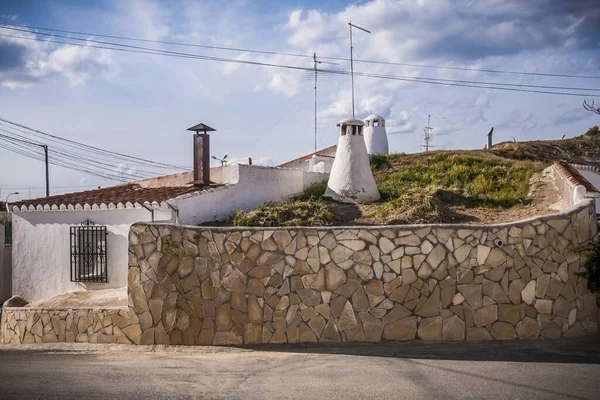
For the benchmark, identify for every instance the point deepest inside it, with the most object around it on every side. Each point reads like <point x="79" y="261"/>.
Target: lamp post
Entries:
<point x="6" y="202"/>
<point x="222" y="160"/>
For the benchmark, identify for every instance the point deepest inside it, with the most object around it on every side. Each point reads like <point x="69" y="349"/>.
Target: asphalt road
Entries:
<point x="565" y="369"/>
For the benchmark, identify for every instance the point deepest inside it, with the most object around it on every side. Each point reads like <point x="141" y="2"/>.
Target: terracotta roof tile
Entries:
<point x="574" y="176"/>
<point x="126" y="193"/>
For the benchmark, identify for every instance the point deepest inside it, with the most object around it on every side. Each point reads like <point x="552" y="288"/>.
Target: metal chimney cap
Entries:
<point x="201" y="128"/>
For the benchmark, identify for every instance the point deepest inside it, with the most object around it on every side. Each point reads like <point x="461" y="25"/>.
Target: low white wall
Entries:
<point x="594" y="178"/>
<point x="41" y="253"/>
<point x="249" y="187"/>
<point x="570" y="192"/>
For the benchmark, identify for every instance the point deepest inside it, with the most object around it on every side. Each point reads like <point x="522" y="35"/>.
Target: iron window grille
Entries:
<point x="8" y="233"/>
<point x="88" y="253"/>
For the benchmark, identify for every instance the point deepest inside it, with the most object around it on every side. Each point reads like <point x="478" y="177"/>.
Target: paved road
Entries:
<point x="566" y="369"/>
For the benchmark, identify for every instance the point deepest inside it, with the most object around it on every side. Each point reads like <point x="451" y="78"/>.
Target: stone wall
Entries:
<point x="190" y="285"/>
<point x="27" y="325"/>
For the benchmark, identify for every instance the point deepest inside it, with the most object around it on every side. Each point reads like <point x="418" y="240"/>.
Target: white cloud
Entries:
<point x="29" y="62"/>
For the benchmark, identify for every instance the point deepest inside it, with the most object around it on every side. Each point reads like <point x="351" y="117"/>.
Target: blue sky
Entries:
<point x="142" y="104"/>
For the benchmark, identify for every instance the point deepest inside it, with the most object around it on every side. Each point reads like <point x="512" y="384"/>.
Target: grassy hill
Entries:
<point x="479" y="186"/>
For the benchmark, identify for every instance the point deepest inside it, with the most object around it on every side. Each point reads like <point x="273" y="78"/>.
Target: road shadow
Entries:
<point x="575" y="350"/>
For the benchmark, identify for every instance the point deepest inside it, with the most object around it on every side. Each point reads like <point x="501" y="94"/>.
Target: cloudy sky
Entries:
<point x="141" y="104"/>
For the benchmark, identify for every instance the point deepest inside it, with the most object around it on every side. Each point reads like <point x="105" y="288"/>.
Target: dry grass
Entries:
<point x="419" y="188"/>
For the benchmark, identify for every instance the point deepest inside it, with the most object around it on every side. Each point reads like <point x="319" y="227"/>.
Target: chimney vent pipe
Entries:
<point x="201" y="154"/>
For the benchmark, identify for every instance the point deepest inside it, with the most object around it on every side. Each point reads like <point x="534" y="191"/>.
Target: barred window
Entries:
<point x="88" y="253"/>
<point x="8" y="233"/>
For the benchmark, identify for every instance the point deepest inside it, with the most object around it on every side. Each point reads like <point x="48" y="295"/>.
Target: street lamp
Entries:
<point x="6" y="202"/>
<point x="223" y="160"/>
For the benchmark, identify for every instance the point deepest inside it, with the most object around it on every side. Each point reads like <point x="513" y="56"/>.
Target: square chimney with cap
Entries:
<point x="201" y="154"/>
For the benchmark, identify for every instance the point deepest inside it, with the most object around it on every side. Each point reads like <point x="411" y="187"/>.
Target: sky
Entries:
<point x="142" y="104"/>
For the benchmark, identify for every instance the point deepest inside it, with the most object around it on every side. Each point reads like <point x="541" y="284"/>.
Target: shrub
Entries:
<point x="593" y="131"/>
<point x="292" y="213"/>
<point x="592" y="267"/>
<point x="379" y="161"/>
<point x="314" y="191"/>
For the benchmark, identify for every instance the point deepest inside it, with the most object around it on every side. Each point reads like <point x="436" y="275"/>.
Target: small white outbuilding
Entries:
<point x="375" y="135"/>
<point x="351" y="179"/>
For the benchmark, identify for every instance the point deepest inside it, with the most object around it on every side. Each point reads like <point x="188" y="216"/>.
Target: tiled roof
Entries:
<point x="308" y="156"/>
<point x="571" y="173"/>
<point x="129" y="195"/>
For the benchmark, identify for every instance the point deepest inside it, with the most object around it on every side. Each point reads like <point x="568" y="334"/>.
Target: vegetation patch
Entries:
<point x="438" y="187"/>
<point x="293" y="213"/>
<point x="427" y="188"/>
<point x="592" y="268"/>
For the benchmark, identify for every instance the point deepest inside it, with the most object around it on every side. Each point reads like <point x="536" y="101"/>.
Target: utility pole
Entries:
<point x="352" y="59"/>
<point x="45" y="147"/>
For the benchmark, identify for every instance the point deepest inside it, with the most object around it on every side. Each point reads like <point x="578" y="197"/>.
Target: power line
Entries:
<point x="481" y="85"/>
<point x="60" y="164"/>
<point x="43" y="188"/>
<point x="85" y="159"/>
<point x="92" y="156"/>
<point x="97" y="149"/>
<point x="351" y="25"/>
<point x="64" y="159"/>
<point x="183" y="44"/>
<point x="19" y="150"/>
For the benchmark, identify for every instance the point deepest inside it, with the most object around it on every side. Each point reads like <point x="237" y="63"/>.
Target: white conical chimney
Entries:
<point x="375" y="135"/>
<point x="351" y="179"/>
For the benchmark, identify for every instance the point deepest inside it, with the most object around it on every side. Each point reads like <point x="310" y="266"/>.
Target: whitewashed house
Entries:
<point x="79" y="241"/>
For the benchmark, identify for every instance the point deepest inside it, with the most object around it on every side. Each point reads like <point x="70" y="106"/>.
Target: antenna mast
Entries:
<point x="315" y="66"/>
<point x="428" y="132"/>
<point x="352" y="60"/>
<point x="315" y="62"/>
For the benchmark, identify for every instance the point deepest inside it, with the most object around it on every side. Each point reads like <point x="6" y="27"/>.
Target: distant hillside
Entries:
<point x="584" y="148"/>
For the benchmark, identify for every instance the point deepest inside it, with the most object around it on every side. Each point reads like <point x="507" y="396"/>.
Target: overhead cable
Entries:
<point x="307" y="56"/>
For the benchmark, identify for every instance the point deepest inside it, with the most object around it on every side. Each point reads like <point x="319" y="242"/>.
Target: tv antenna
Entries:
<point x="315" y="62"/>
<point x="429" y="131"/>
<point x="352" y="59"/>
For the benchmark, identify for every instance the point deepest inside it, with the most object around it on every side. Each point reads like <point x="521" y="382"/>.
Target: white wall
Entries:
<point x="249" y="187"/>
<point x="594" y="178"/>
<point x="304" y="163"/>
<point x="41" y="254"/>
